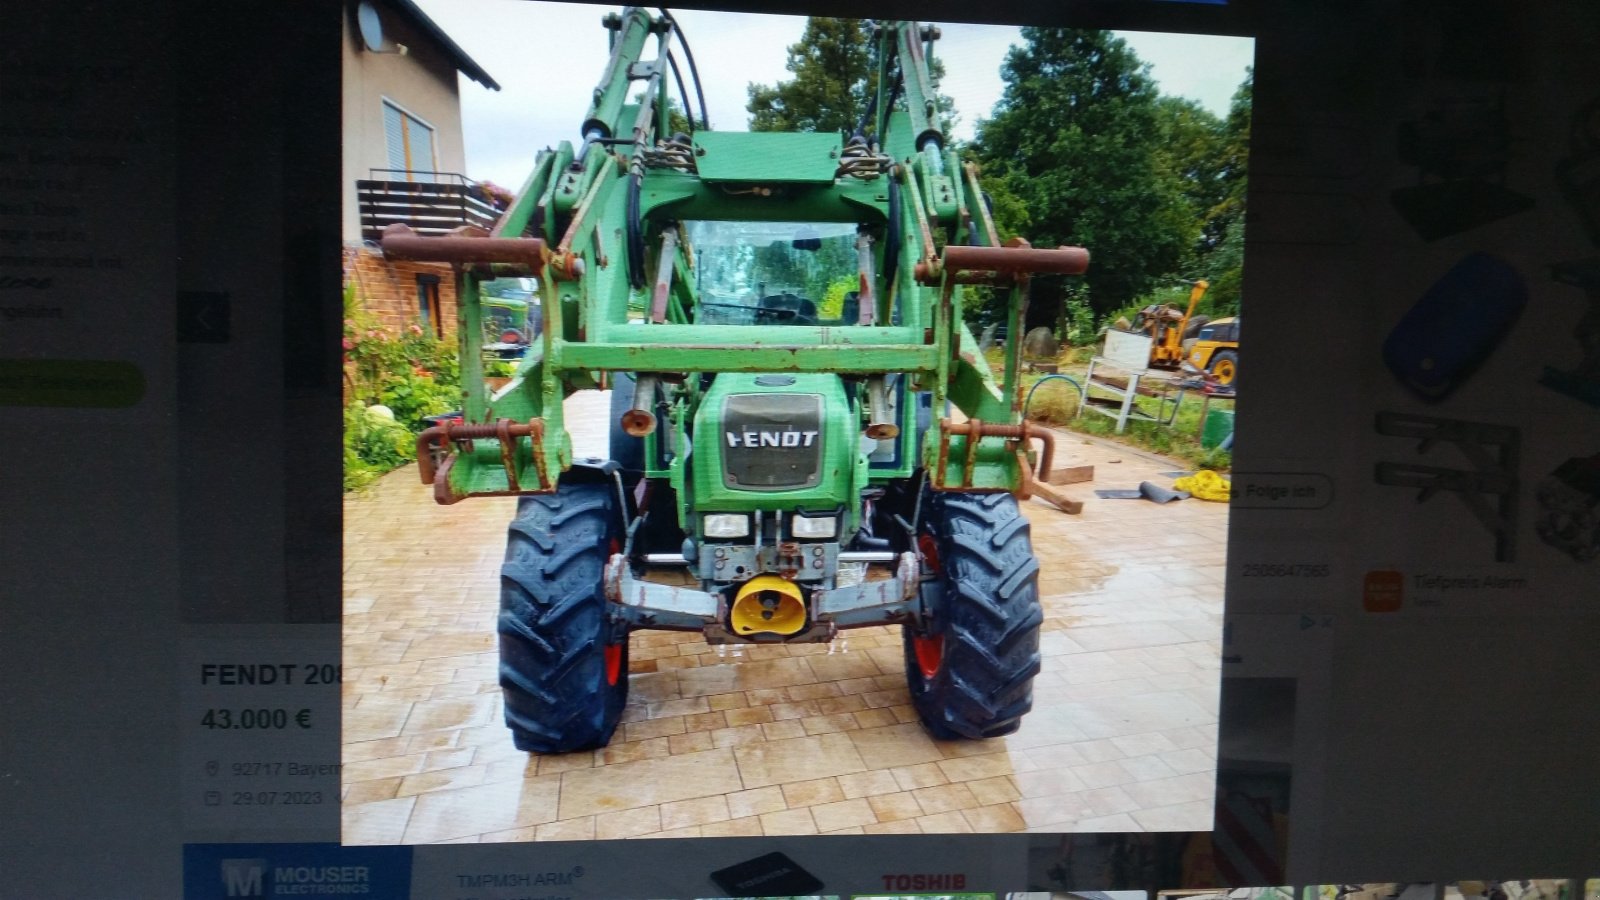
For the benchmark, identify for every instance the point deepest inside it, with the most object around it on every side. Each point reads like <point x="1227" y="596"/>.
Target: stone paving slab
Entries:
<point x="805" y="739"/>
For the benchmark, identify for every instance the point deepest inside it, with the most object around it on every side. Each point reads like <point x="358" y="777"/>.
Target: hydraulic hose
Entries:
<point x="892" y="240"/>
<point x="1037" y="384"/>
<point x="694" y="71"/>
<point x="635" y="228"/>
<point x="683" y="92"/>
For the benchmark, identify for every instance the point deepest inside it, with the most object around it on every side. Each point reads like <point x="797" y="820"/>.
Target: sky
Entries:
<point x="548" y="57"/>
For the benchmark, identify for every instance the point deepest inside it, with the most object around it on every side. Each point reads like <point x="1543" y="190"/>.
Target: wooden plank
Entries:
<point x="1070" y="474"/>
<point x="1057" y="498"/>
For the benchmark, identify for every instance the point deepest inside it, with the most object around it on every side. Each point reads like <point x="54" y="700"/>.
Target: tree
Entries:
<point x="835" y="77"/>
<point x="1077" y="136"/>
<point x="1191" y="149"/>
<point x="1223" y="261"/>
<point x="677" y="122"/>
<point x="1235" y="163"/>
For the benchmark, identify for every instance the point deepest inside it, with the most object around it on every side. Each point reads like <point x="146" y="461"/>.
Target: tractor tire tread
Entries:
<point x="552" y="622"/>
<point x="992" y="616"/>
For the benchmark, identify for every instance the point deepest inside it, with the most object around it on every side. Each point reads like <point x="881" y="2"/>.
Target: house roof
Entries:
<point x="463" y="63"/>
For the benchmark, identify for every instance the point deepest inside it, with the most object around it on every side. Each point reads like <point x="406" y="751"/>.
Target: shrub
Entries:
<point x="414" y="375"/>
<point x="373" y="445"/>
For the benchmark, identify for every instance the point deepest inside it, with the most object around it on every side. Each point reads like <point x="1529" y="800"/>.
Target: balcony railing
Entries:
<point x="430" y="202"/>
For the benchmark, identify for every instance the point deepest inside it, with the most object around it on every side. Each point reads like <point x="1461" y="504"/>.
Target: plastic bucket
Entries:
<point x="1218" y="425"/>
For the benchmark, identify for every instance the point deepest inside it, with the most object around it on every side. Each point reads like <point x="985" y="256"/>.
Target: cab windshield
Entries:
<point x="509" y="312"/>
<point x="774" y="273"/>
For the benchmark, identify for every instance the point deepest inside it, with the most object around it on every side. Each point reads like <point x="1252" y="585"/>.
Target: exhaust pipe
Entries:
<point x="879" y="426"/>
<point x="640" y="419"/>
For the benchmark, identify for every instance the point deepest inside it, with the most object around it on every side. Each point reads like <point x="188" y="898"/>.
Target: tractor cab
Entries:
<point x="509" y="317"/>
<point x="773" y="273"/>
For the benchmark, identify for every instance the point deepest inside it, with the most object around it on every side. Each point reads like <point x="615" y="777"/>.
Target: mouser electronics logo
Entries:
<point x="242" y="877"/>
<point x="253" y="878"/>
<point x="752" y="438"/>
<point x="294" y="870"/>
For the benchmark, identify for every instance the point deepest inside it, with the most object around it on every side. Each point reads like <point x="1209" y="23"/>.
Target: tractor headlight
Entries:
<point x="726" y="525"/>
<point x="814" y="527"/>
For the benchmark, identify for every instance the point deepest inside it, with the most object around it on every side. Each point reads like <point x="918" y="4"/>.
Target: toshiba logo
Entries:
<point x="749" y="438"/>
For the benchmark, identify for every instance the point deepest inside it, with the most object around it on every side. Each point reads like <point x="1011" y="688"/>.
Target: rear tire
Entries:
<point x="1225" y="365"/>
<point x="563" y="669"/>
<point x="971" y="672"/>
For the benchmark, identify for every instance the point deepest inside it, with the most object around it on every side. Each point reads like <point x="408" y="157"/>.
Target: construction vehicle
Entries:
<point x="1168" y="326"/>
<point x="509" y="318"/>
<point x="1215" y="349"/>
<point x="779" y="470"/>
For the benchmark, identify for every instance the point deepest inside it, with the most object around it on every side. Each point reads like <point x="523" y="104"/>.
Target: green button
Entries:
<point x="86" y="383"/>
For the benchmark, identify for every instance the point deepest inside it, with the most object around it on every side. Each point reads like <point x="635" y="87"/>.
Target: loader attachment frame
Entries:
<point x="601" y="228"/>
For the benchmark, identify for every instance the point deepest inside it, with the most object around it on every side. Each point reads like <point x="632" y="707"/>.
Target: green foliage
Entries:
<point x="810" y="274"/>
<point x="1077" y="137"/>
<point x="1057" y="403"/>
<point x="1078" y="317"/>
<point x="832" y="304"/>
<point x="373" y="445"/>
<point x="677" y="121"/>
<point x="1221" y="258"/>
<point x="835" y="78"/>
<point x="414" y="375"/>
<point x="1226" y="267"/>
<point x="1010" y="211"/>
<point x="1215" y="459"/>
<point x="1235" y="149"/>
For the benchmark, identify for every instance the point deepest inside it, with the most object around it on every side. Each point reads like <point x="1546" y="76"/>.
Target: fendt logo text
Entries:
<point x="771" y="438"/>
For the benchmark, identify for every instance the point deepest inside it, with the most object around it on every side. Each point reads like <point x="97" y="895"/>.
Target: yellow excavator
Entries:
<point x="1167" y="326"/>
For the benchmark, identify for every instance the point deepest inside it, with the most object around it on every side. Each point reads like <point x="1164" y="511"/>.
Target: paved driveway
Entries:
<point x="785" y="740"/>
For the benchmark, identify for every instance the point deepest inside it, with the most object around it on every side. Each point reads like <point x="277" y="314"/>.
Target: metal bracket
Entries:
<point x="1493" y="450"/>
<point x="448" y="436"/>
<point x="1583" y="381"/>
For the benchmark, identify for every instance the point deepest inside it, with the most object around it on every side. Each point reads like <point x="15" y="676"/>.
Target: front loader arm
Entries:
<point x="601" y="228"/>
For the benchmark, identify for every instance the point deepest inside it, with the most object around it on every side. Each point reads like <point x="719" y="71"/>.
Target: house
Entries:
<point x="404" y="157"/>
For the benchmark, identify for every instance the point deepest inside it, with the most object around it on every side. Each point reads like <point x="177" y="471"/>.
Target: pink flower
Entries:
<point x="415" y="328"/>
<point x="348" y="344"/>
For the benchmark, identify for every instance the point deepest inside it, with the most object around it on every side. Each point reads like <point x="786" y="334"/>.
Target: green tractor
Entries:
<point x="509" y="317"/>
<point x="779" y="318"/>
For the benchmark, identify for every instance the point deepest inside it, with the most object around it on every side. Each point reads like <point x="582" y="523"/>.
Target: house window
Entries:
<point x="428" y="312"/>
<point x="409" y="142"/>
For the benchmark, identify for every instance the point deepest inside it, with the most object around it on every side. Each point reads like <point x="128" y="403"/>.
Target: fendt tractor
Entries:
<point x="779" y="319"/>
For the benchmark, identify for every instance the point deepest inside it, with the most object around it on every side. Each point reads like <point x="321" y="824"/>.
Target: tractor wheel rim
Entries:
<point x="613" y="663"/>
<point x="1225" y="372"/>
<point x="930" y="654"/>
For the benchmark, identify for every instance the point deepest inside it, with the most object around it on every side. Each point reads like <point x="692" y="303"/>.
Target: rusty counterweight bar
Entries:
<point x="1001" y="265"/>
<point x="973" y="428"/>
<point x="464" y="247"/>
<point x="1018" y="259"/>
<point x="1033" y="483"/>
<point x="504" y="430"/>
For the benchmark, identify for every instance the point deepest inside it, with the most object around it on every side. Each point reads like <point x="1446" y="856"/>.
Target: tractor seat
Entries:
<point x="785" y="309"/>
